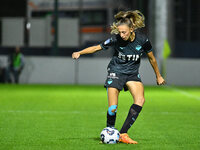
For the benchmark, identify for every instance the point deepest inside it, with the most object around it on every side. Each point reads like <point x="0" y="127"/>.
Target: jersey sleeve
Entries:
<point x="108" y="43"/>
<point x="147" y="46"/>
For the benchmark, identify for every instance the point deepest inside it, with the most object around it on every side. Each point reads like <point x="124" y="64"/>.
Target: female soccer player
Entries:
<point x="123" y="69"/>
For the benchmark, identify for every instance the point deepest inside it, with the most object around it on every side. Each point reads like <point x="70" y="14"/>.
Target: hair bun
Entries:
<point x="133" y="19"/>
<point x="120" y="15"/>
<point x="128" y="14"/>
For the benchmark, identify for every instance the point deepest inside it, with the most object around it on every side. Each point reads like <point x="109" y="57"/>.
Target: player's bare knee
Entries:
<point x="143" y="101"/>
<point x="112" y="110"/>
<point x="140" y="101"/>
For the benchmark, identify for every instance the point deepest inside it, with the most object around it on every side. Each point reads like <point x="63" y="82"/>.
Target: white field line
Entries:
<point x="183" y="93"/>
<point x="40" y="112"/>
<point x="85" y="112"/>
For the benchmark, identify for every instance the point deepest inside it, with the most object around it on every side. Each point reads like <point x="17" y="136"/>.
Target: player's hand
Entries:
<point x="75" y="55"/>
<point x="160" y="81"/>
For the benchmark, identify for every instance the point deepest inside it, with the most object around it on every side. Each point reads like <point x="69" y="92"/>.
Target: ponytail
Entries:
<point x="134" y="19"/>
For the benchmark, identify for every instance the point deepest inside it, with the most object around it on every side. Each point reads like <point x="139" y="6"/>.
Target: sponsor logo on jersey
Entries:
<point x="112" y="76"/>
<point x="138" y="47"/>
<point x="107" y="41"/>
<point x="128" y="57"/>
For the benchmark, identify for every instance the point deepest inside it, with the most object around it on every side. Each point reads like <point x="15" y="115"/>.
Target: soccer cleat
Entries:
<point x="124" y="138"/>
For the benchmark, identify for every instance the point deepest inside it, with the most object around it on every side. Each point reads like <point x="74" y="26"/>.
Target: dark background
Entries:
<point x="186" y="25"/>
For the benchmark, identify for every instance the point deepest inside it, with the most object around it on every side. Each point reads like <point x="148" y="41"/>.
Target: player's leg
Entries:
<point x="8" y="75"/>
<point x="114" y="84"/>
<point x="16" y="76"/>
<point x="113" y="94"/>
<point x="137" y="91"/>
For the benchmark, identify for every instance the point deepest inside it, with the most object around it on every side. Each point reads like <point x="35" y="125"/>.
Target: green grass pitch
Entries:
<point x="68" y="117"/>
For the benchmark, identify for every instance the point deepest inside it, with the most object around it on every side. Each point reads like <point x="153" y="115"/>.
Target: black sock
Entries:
<point x="132" y="116"/>
<point x="111" y="120"/>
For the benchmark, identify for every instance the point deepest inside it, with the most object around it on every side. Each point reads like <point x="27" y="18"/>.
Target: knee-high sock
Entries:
<point x="111" y="120"/>
<point x="132" y="116"/>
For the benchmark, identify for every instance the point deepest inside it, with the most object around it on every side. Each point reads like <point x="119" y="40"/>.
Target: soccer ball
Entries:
<point x="109" y="135"/>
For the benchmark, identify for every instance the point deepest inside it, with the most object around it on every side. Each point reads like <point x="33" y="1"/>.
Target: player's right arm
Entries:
<point x="105" y="45"/>
<point x="88" y="50"/>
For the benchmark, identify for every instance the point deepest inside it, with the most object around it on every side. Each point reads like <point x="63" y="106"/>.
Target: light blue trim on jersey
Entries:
<point x="150" y="50"/>
<point x="112" y="107"/>
<point x="102" y="47"/>
<point x="138" y="75"/>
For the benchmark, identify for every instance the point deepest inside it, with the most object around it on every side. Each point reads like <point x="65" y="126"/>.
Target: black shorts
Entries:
<point x="119" y="81"/>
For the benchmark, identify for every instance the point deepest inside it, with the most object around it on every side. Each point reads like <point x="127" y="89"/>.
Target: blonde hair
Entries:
<point x="134" y="19"/>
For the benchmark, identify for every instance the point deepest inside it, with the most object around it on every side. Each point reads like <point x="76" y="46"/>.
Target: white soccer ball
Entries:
<point x="109" y="135"/>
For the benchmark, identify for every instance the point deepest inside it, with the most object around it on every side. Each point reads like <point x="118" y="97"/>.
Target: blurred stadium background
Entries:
<point x="48" y="31"/>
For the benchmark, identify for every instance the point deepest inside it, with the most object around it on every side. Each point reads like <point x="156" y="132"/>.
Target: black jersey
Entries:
<point x="126" y="59"/>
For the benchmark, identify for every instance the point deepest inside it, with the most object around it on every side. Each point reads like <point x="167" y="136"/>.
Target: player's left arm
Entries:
<point x="153" y="62"/>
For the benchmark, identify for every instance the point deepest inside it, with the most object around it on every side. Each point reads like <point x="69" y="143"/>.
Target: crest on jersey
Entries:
<point x="138" y="47"/>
